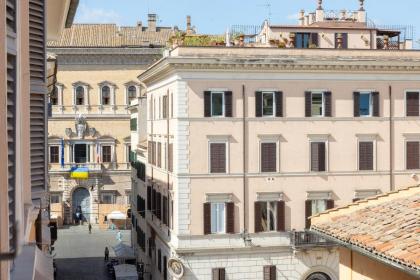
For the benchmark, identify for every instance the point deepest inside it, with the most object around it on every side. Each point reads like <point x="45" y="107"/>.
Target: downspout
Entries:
<point x="244" y="159"/>
<point x="167" y="158"/>
<point x="391" y="142"/>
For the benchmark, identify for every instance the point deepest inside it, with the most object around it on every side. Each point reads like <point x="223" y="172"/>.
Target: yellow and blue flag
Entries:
<point x="79" y="173"/>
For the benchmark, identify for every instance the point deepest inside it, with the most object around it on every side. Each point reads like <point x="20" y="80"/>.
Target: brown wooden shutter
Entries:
<point x="281" y="216"/>
<point x="328" y="104"/>
<point x="11" y="15"/>
<point x="308" y="104"/>
<point x="170" y="157"/>
<point x="318" y="156"/>
<point x="230" y="217"/>
<point x="149" y="152"/>
<point x="413" y="155"/>
<point x="228" y="104"/>
<point x="365" y="155"/>
<point x="268" y="157"/>
<point x="412" y="104"/>
<point x="267" y="272"/>
<point x="330" y="203"/>
<point x="258" y="216"/>
<point x="258" y="104"/>
<point x="222" y="274"/>
<point x="321" y="156"/>
<point x="154" y="152"/>
<point x="207" y="104"/>
<point x="279" y="103"/>
<point x="314" y="39"/>
<point x="149" y="198"/>
<point x="158" y="206"/>
<point x="207" y="217"/>
<point x="356" y="101"/>
<point x="375" y="104"/>
<point x="218" y="274"/>
<point x="164" y="210"/>
<point x="217" y="158"/>
<point x="153" y="201"/>
<point x="308" y="213"/>
<point x="159" y="154"/>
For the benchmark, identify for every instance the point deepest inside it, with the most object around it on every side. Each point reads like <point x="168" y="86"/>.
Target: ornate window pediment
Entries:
<point x="107" y="93"/>
<point x="132" y="90"/>
<point x="80" y="93"/>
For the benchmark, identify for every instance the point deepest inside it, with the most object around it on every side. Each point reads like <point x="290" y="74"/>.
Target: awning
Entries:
<point x="43" y="266"/>
<point x="32" y="263"/>
<point x="125" y="272"/>
<point x="124" y="251"/>
<point x="116" y="215"/>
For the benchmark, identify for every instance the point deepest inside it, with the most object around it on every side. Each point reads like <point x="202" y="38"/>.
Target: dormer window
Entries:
<point x="80" y="95"/>
<point x="105" y="95"/>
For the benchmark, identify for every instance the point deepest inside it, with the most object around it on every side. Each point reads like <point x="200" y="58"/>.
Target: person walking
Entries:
<point x="90" y="228"/>
<point x="119" y="236"/>
<point x="106" y="254"/>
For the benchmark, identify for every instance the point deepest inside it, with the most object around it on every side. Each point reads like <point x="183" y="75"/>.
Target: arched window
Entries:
<point x="318" y="276"/>
<point x="54" y="96"/>
<point x="80" y="95"/>
<point x="106" y="95"/>
<point x="132" y="93"/>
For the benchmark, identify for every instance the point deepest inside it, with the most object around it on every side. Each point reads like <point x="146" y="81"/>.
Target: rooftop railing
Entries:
<point x="307" y="239"/>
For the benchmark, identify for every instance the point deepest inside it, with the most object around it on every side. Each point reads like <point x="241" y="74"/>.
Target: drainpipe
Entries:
<point x="244" y="159"/>
<point x="391" y="142"/>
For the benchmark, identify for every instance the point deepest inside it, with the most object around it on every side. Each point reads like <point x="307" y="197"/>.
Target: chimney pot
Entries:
<point x="151" y="22"/>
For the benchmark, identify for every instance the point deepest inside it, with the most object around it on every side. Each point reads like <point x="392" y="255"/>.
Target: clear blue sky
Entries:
<point x="215" y="16"/>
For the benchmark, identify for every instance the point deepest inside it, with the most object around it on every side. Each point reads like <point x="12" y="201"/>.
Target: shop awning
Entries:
<point x="125" y="272"/>
<point x="32" y="263"/>
<point x="43" y="266"/>
<point x="117" y="215"/>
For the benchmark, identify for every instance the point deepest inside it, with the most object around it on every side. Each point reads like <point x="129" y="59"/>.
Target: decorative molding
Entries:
<point x="219" y="197"/>
<point x="111" y="59"/>
<point x="270" y="196"/>
<point x="313" y="195"/>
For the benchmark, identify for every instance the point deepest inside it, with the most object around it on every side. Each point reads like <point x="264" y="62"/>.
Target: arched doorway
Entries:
<point x="318" y="276"/>
<point x="81" y="205"/>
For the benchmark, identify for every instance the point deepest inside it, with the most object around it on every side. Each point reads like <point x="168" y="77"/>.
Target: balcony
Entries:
<point x="306" y="239"/>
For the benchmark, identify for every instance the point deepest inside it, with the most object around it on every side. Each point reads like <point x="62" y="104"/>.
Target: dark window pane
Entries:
<point x="217" y="104"/>
<point x="268" y="102"/>
<point x="364" y="104"/>
<point x="80" y="92"/>
<point x="106" y="95"/>
<point x="106" y="153"/>
<point x="316" y="104"/>
<point x="54" y="154"/>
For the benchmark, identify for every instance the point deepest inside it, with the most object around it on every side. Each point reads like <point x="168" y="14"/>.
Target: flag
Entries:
<point x="62" y="153"/>
<point x="79" y="173"/>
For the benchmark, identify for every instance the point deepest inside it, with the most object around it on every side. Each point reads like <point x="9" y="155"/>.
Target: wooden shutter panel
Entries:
<point x="314" y="39"/>
<point x="375" y="104"/>
<point x="153" y="201"/>
<point x="330" y="203"/>
<point x="328" y="105"/>
<point x="170" y="157"/>
<point x="149" y="198"/>
<point x="11" y="15"/>
<point x="317" y="156"/>
<point x="321" y="156"/>
<point x="222" y="274"/>
<point x="218" y="274"/>
<point x="356" y="101"/>
<point x="258" y="216"/>
<point x="164" y="210"/>
<point x="159" y="154"/>
<point x="217" y="157"/>
<point x="412" y="104"/>
<point x="258" y="104"/>
<point x="207" y="104"/>
<point x="279" y="103"/>
<point x="207" y="217"/>
<point x="267" y="272"/>
<point x="228" y="104"/>
<point x="230" y="217"/>
<point x="365" y="155"/>
<point x="413" y="155"/>
<point x="308" y="103"/>
<point x="308" y="213"/>
<point x="268" y="157"/>
<point x="158" y="205"/>
<point x="281" y="216"/>
<point x="273" y="272"/>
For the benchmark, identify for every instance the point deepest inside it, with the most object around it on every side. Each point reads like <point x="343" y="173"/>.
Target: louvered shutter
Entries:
<point x="279" y="103"/>
<point x="258" y="104"/>
<point x="154" y="201"/>
<point x="314" y="39"/>
<point x="412" y="104"/>
<point x="258" y="216"/>
<point x="217" y="158"/>
<point x="308" y="104"/>
<point x="281" y="216"/>
<point x="222" y="274"/>
<point x="218" y="274"/>
<point x="330" y="203"/>
<point x="207" y="104"/>
<point x="356" y="102"/>
<point x="321" y="156"/>
<point x="328" y="105"/>
<point x="159" y="154"/>
<point x="375" y="104"/>
<point x="228" y="104"/>
<point x="308" y="213"/>
<point x="149" y="152"/>
<point x="11" y="145"/>
<point x="207" y="217"/>
<point x="230" y="217"/>
<point x="149" y="198"/>
<point x="365" y="155"/>
<point x="11" y="15"/>
<point x="164" y="210"/>
<point x="267" y="272"/>
<point x="268" y="157"/>
<point x="413" y="155"/>
<point x="158" y="205"/>
<point x="170" y="157"/>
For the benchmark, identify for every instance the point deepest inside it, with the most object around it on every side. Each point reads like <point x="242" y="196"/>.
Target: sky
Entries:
<point x="215" y="16"/>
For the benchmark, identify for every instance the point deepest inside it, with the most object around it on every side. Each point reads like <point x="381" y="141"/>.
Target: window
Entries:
<point x="268" y="215"/>
<point x="268" y="103"/>
<point x="314" y="206"/>
<point x="55" y="198"/>
<point x="133" y="124"/>
<point x="131" y="93"/>
<point x="165" y="107"/>
<point x="218" y="218"/>
<point x="106" y="153"/>
<point x="268" y="157"/>
<point x="80" y="95"/>
<point x="81" y="153"/>
<point x="413" y="155"/>
<point x="170" y="157"/>
<point x="317" y="105"/>
<point x="54" y="154"/>
<point x="107" y="198"/>
<point x="318" y="156"/>
<point x="54" y="96"/>
<point x="412" y="104"/>
<point x="165" y="268"/>
<point x="366" y="155"/>
<point x="217" y="157"/>
<point x="106" y="95"/>
<point x="306" y="40"/>
<point x="341" y="40"/>
<point x="217" y="104"/>
<point x="218" y="274"/>
<point x="269" y="272"/>
<point x="365" y="104"/>
<point x="159" y="261"/>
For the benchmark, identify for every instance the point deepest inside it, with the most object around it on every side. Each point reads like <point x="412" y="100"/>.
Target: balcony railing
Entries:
<point x="307" y="239"/>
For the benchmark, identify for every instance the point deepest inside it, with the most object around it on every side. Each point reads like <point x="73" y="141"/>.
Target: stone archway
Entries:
<point x="81" y="204"/>
<point x="318" y="276"/>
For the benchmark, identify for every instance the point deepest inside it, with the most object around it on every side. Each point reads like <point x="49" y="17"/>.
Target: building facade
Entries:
<point x="243" y="148"/>
<point x="89" y="127"/>
<point x="25" y="237"/>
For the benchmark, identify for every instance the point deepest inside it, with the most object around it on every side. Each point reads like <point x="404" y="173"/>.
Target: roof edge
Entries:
<point x="71" y="13"/>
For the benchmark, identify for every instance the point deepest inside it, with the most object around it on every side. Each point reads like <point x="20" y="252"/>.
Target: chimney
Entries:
<point x="139" y="24"/>
<point x="151" y="22"/>
<point x="301" y="17"/>
<point x="189" y="30"/>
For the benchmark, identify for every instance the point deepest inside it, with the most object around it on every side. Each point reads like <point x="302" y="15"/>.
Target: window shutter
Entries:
<point x="273" y="272"/>
<point x="228" y="104"/>
<point x="268" y="157"/>
<point x="258" y="104"/>
<point x="159" y="154"/>
<point x="267" y="272"/>
<point x="317" y="156"/>
<point x="281" y="216"/>
<point x="149" y="198"/>
<point x="218" y="274"/>
<point x="149" y="152"/>
<point x="279" y="103"/>
<point x="153" y="201"/>
<point x="11" y="15"/>
<point x="356" y="98"/>
<point x="365" y="155"/>
<point x="308" y="213"/>
<point x="217" y="157"/>
<point x="308" y="103"/>
<point x="222" y="274"/>
<point x="230" y="217"/>
<point x="207" y="217"/>
<point x="158" y="205"/>
<point x="170" y="157"/>
<point x="164" y="210"/>
<point x="375" y="101"/>
<point x="207" y="104"/>
<point x="412" y="104"/>
<point x="257" y="216"/>
<point x="328" y="107"/>
<point x="413" y="155"/>
<point x="330" y="203"/>
<point x="314" y="39"/>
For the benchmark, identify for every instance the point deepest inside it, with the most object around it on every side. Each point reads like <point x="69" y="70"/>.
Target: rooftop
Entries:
<point x="384" y="227"/>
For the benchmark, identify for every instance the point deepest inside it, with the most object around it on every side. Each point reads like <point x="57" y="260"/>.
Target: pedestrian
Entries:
<point x="106" y="254"/>
<point x="90" y="228"/>
<point x="119" y="236"/>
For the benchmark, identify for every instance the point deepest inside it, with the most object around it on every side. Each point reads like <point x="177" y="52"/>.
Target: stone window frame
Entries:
<point x="86" y="88"/>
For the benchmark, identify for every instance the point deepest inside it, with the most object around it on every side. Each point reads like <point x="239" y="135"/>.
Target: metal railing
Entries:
<point x="305" y="239"/>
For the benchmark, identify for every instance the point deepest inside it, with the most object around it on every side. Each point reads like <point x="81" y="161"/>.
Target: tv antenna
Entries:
<point x="267" y="5"/>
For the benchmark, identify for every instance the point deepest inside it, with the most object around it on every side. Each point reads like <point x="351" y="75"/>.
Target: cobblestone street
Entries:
<point x="80" y="255"/>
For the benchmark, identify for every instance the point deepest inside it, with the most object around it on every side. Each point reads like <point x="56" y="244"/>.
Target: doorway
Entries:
<point x="81" y="205"/>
